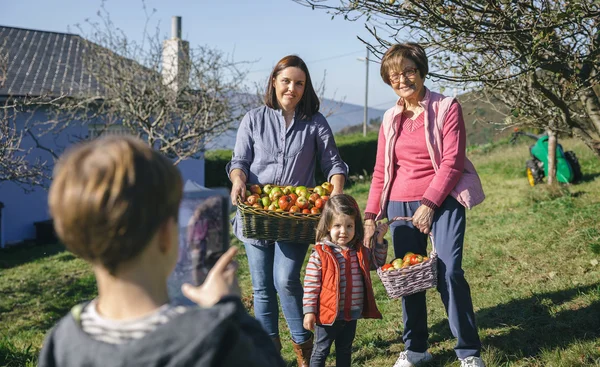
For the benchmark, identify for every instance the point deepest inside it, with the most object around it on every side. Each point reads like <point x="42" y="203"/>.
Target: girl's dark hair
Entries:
<point x="341" y="204"/>
<point x="309" y="104"/>
<point x="395" y="54"/>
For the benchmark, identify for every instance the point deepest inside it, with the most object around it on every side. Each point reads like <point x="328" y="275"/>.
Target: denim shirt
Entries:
<point x="268" y="153"/>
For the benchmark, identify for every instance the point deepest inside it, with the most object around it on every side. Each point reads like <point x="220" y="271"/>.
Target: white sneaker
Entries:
<point x="472" y="362"/>
<point x="408" y="358"/>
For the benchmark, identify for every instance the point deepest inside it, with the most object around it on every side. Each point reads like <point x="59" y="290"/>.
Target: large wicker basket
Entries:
<point x="263" y="224"/>
<point x="410" y="280"/>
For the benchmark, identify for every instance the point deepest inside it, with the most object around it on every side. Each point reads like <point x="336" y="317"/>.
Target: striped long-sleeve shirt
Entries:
<point x="312" y="279"/>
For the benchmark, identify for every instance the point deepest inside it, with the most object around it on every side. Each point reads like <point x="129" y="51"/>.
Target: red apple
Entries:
<point x="253" y="199"/>
<point x="257" y="206"/>
<point x="306" y="211"/>
<point x="319" y="203"/>
<point x="285" y="202"/>
<point x="294" y="197"/>
<point x="255" y="189"/>
<point x="302" y="202"/>
<point x="315" y="210"/>
<point x="313" y="197"/>
<point x="294" y="209"/>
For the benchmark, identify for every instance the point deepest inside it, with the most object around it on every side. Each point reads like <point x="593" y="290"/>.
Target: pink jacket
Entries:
<point x="468" y="191"/>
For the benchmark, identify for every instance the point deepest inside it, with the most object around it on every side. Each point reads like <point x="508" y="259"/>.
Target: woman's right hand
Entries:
<point x="238" y="187"/>
<point x="369" y="232"/>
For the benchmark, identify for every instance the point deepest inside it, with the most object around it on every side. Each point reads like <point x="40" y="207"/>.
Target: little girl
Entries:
<point x="337" y="284"/>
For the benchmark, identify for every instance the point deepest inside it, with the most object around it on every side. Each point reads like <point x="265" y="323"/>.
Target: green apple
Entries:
<point x="265" y="201"/>
<point x="289" y="189"/>
<point x="301" y="191"/>
<point x="267" y="188"/>
<point x="397" y="263"/>
<point x="320" y="190"/>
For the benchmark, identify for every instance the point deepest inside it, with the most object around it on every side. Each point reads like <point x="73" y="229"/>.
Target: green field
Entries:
<point x="531" y="258"/>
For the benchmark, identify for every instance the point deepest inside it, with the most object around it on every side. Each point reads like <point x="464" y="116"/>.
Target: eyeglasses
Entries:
<point x="407" y="73"/>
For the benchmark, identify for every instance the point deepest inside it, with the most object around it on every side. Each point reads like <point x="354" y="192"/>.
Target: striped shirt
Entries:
<point x="123" y="331"/>
<point x="351" y="280"/>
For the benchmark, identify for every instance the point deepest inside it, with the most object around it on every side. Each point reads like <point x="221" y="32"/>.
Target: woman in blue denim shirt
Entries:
<point x="280" y="143"/>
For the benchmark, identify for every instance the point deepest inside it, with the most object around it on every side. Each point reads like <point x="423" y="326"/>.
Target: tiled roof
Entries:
<point x="44" y="63"/>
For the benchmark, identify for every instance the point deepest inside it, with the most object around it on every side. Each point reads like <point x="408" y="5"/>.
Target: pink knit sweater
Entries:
<point x="445" y="141"/>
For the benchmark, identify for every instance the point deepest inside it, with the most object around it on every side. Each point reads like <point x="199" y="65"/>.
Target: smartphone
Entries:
<point x="204" y="229"/>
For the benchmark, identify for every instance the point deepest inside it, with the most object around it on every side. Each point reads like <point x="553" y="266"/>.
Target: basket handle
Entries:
<point x="395" y="219"/>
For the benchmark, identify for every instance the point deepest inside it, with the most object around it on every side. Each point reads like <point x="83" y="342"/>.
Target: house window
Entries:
<point x="96" y="130"/>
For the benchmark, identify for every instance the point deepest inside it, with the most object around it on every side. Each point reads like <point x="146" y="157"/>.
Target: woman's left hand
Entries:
<point x="423" y="218"/>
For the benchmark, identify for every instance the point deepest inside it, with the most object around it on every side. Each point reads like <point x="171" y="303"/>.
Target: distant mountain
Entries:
<point x="341" y="115"/>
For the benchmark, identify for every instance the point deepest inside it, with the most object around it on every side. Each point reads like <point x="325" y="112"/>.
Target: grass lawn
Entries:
<point x="531" y="258"/>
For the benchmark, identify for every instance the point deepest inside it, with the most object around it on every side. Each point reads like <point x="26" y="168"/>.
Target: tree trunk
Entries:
<point x="592" y="143"/>
<point x="551" y="157"/>
<point x="590" y="102"/>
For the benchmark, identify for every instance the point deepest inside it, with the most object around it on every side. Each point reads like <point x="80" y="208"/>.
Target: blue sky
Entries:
<point x="262" y="31"/>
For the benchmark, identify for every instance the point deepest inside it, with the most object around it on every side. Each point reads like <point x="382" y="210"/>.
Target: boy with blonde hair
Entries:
<point x="115" y="203"/>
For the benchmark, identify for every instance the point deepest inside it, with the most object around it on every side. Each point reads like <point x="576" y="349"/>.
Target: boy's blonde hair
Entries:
<point x="110" y="196"/>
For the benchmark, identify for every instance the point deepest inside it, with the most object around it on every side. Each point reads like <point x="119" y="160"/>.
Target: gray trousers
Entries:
<point x="448" y="232"/>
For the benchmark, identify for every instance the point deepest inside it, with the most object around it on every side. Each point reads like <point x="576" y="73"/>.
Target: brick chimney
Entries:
<point x="175" y="58"/>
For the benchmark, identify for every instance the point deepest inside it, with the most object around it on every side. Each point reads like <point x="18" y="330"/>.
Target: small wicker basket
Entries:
<point x="410" y="280"/>
<point x="268" y="225"/>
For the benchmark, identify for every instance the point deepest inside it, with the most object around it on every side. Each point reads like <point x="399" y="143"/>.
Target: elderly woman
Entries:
<point x="421" y="171"/>
<point x="280" y="143"/>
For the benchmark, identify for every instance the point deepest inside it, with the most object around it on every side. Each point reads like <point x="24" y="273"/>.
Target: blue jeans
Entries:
<point x="342" y="332"/>
<point x="275" y="270"/>
<point x="448" y="231"/>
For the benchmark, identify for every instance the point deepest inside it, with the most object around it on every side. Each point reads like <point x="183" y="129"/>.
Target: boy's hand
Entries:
<point x="382" y="229"/>
<point x="220" y="282"/>
<point x="309" y="321"/>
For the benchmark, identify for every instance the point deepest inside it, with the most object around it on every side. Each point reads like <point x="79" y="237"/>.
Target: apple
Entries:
<point x="288" y="189"/>
<point x="257" y="206"/>
<point x="416" y="259"/>
<point x="265" y="201"/>
<point x="272" y="207"/>
<point x="267" y="188"/>
<point x="252" y="199"/>
<point x="319" y="203"/>
<point x="305" y="211"/>
<point x="327" y="186"/>
<point x="397" y="263"/>
<point x="285" y="202"/>
<point x="294" y="197"/>
<point x="276" y="192"/>
<point x="315" y="210"/>
<point x="294" y="209"/>
<point x="313" y="197"/>
<point x="302" y="202"/>
<point x="255" y="189"/>
<point x="325" y="198"/>
<point x="248" y="193"/>
<point x="320" y="190"/>
<point x="301" y="191"/>
<point x="407" y="256"/>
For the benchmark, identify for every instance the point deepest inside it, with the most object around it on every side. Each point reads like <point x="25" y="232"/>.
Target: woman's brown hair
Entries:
<point x="309" y="104"/>
<point x="340" y="204"/>
<point x="393" y="57"/>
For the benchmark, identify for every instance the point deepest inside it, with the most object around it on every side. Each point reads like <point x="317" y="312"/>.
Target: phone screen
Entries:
<point x="203" y="237"/>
